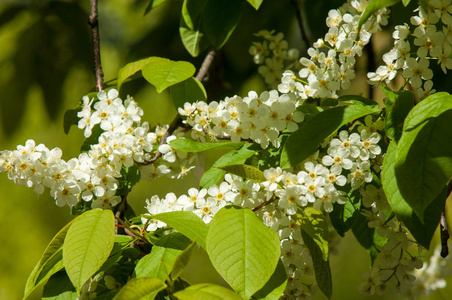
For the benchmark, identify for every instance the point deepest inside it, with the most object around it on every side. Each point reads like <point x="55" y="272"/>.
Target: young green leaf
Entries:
<point x="398" y="106"/>
<point x="275" y="286"/>
<point x="50" y="262"/>
<point x="303" y="142"/>
<point x="373" y="7"/>
<point x="190" y="26"/>
<point x="138" y="288"/>
<point x="220" y="19"/>
<point x="131" y="68"/>
<point x="162" y="72"/>
<point x="314" y="224"/>
<point x="188" y="145"/>
<point x="255" y="3"/>
<point x="187" y="223"/>
<point x="321" y="267"/>
<point x="190" y="90"/>
<point x="242" y="249"/>
<point x="158" y="263"/>
<point x="406" y="2"/>
<point x="181" y="261"/>
<point x="214" y="175"/>
<point x="423" y="233"/>
<point x="245" y="171"/>
<point x="88" y="244"/>
<point x="423" y="158"/>
<point x="204" y="291"/>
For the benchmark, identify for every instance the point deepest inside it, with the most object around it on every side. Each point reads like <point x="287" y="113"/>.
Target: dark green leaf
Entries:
<point x="321" y="267"/>
<point x="190" y="26"/>
<point x="220" y="19"/>
<point x="373" y="7"/>
<point x="342" y="214"/>
<point x="151" y="5"/>
<point x="423" y="233"/>
<point x="93" y="139"/>
<point x="133" y="67"/>
<point x="398" y="106"/>
<point x="181" y="261"/>
<point x="423" y="158"/>
<point x="255" y="3"/>
<point x="275" y="286"/>
<point x="304" y="142"/>
<point x="70" y="118"/>
<point x="314" y="224"/>
<point x="59" y="287"/>
<point x="189" y="90"/>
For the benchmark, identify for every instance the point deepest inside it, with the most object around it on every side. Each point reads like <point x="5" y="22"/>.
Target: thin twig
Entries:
<point x="93" y="22"/>
<point x="177" y="122"/>
<point x="443" y="225"/>
<point x="264" y="203"/>
<point x="304" y="35"/>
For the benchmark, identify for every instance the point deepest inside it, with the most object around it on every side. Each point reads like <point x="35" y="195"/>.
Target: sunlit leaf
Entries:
<point x="138" y="288"/>
<point x="245" y="171"/>
<point x="188" y="145"/>
<point x="207" y="291"/>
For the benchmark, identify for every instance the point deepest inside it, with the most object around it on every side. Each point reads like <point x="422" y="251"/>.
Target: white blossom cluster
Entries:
<point x="394" y="265"/>
<point x="272" y="54"/>
<point x="430" y="39"/>
<point x="260" y="118"/>
<point x="93" y="176"/>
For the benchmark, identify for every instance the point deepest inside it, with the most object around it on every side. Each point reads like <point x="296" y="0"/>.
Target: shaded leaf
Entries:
<point x="275" y="286"/>
<point x="373" y="7"/>
<point x="188" y="145"/>
<point x="245" y="171"/>
<point x="189" y="90"/>
<point x="255" y="3"/>
<point x="398" y="106"/>
<point x="181" y="261"/>
<point x="133" y="67"/>
<point x="59" y="287"/>
<point x="314" y="224"/>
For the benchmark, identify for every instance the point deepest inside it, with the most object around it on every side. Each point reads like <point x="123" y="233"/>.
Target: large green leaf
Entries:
<point x="162" y="72"/>
<point x="50" y="262"/>
<point x="304" y="142"/>
<point x="423" y="233"/>
<point x="423" y="158"/>
<point x="245" y="171"/>
<point x="88" y="244"/>
<point x="138" y="288"/>
<point x="242" y="249"/>
<point x="373" y="7"/>
<point x="220" y="19"/>
<point x="187" y="223"/>
<point x="131" y="68"/>
<point x="214" y="175"/>
<point x="275" y="286"/>
<point x="158" y="263"/>
<point x="190" y="90"/>
<point x="206" y="291"/>
<point x="314" y="224"/>
<point x="188" y="145"/>
<point x="398" y="106"/>
<point x="321" y="267"/>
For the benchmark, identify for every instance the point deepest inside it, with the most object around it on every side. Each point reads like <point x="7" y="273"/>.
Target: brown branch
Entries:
<point x="93" y="22"/>
<point x="177" y="122"/>
<point x="264" y="203"/>
<point x="443" y="225"/>
<point x="304" y="34"/>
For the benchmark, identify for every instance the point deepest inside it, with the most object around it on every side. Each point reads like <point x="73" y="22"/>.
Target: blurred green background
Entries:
<point x="46" y="68"/>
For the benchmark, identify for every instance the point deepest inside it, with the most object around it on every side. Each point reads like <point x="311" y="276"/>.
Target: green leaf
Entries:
<point x="138" y="288"/>
<point x="88" y="244"/>
<point x="313" y="223"/>
<point x="321" y="267"/>
<point x="255" y="3"/>
<point x="190" y="26"/>
<point x="305" y="141"/>
<point x="242" y="249"/>
<point x="423" y="158"/>
<point x="162" y="72"/>
<point x="190" y="90"/>
<point x="188" y="145"/>
<point x="342" y="216"/>
<point x="206" y="291"/>
<point x="275" y="286"/>
<point x="220" y="19"/>
<point x="214" y="175"/>
<point x="187" y="223"/>
<point x="423" y="233"/>
<point x="373" y="7"/>
<point x="398" y="106"/>
<point x="70" y="118"/>
<point x="50" y="262"/>
<point x="92" y="139"/>
<point x="363" y="233"/>
<point x="59" y="287"/>
<point x="245" y="171"/>
<point x="151" y="5"/>
<point x="158" y="263"/>
<point x="406" y="2"/>
<point x="133" y="67"/>
<point x="181" y="261"/>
